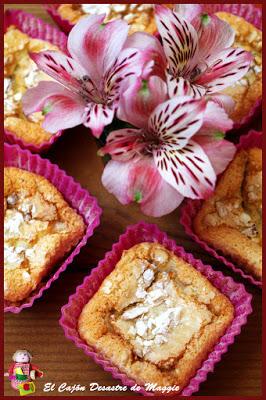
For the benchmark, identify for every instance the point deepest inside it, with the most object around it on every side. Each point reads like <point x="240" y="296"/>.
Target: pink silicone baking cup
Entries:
<point x="143" y="232"/>
<point x="38" y="29"/>
<point x="250" y="12"/>
<point x="77" y="198"/>
<point x="64" y="24"/>
<point x="191" y="208"/>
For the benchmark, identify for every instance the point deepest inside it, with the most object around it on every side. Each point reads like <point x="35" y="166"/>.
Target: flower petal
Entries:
<point x="215" y="120"/>
<point x="62" y="108"/>
<point x="96" y="45"/>
<point x="164" y="200"/>
<point x="151" y="49"/>
<point x="139" y="98"/>
<point x="183" y="87"/>
<point x="145" y="184"/>
<point x="224" y="101"/>
<point x="214" y="35"/>
<point x="97" y="116"/>
<point x="64" y="70"/>
<point x="219" y="152"/>
<point x="140" y="181"/>
<point x="188" y="170"/>
<point x="176" y="120"/>
<point x="115" y="179"/>
<point x="123" y="144"/>
<point x="129" y="63"/>
<point x="180" y="40"/>
<point x="230" y="66"/>
<point x="188" y="11"/>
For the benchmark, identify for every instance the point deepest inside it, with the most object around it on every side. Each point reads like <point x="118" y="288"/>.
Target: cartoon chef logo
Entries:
<point x="22" y="373"/>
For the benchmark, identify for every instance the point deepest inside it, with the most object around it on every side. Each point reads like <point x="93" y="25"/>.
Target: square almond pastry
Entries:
<point x="40" y="228"/>
<point x="231" y="219"/>
<point x="155" y="317"/>
<point x="20" y="74"/>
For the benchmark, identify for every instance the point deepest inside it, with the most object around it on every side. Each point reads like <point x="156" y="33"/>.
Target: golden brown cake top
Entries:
<point x="20" y="72"/>
<point x="36" y="219"/>
<point x="161" y="321"/>
<point x="231" y="219"/>
<point x="140" y="17"/>
<point x="240" y="206"/>
<point x="155" y="316"/>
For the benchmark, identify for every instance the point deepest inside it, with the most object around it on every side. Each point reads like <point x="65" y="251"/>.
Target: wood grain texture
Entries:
<point x="37" y="329"/>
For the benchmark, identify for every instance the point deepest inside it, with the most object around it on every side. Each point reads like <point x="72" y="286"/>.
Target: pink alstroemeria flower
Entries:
<point x="201" y="59"/>
<point x="154" y="60"/>
<point x="165" y="160"/>
<point x="89" y="80"/>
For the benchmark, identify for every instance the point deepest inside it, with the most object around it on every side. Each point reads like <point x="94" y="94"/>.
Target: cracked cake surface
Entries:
<point x="247" y="90"/>
<point x="155" y="316"/>
<point x="231" y="220"/>
<point x="140" y="17"/>
<point x="39" y="229"/>
<point x="20" y="74"/>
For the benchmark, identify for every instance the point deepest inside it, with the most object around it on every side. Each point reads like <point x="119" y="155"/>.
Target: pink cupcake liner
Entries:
<point x="78" y="198"/>
<point x="138" y="233"/>
<point x="38" y="29"/>
<point x="64" y="24"/>
<point x="249" y="12"/>
<point x="253" y="15"/>
<point x="191" y="208"/>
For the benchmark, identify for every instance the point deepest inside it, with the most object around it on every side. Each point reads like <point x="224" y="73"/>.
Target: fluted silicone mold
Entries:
<point x="38" y="29"/>
<point x="250" y="12"/>
<point x="191" y="208"/>
<point x="142" y="232"/>
<point x="64" y="24"/>
<point x="77" y="198"/>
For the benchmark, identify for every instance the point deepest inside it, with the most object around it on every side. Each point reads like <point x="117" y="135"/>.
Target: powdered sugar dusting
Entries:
<point x="160" y="319"/>
<point x="152" y="327"/>
<point x="107" y="287"/>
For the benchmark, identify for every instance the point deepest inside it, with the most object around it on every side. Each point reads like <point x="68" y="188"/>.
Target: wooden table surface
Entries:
<point x="37" y="328"/>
